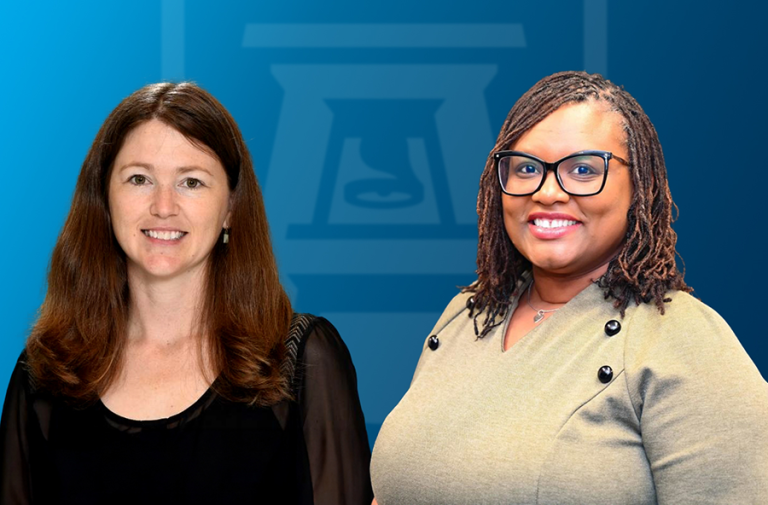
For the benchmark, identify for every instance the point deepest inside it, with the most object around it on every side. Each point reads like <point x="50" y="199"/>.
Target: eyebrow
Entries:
<point x="193" y="168"/>
<point x="182" y="170"/>
<point x="135" y="164"/>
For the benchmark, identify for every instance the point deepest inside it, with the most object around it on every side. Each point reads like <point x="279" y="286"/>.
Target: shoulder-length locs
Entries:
<point x="75" y="346"/>
<point x="645" y="267"/>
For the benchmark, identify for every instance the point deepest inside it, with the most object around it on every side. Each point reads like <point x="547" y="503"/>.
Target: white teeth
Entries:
<point x="553" y="223"/>
<point x="164" y="235"/>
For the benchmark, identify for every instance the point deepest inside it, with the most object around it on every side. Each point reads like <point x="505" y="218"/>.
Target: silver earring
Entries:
<point x="225" y="239"/>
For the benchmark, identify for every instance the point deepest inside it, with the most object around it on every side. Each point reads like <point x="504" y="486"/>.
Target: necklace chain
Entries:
<point x="539" y="312"/>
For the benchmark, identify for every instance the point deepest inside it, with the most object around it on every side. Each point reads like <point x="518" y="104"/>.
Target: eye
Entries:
<point x="583" y="170"/>
<point x="192" y="183"/>
<point x="137" y="180"/>
<point x="524" y="169"/>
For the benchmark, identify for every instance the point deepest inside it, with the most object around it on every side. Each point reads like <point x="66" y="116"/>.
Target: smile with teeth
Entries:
<point x="553" y="223"/>
<point x="164" y="235"/>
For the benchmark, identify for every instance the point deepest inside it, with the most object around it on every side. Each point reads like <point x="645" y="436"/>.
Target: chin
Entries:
<point x="556" y="269"/>
<point x="553" y="259"/>
<point x="560" y="266"/>
<point x="163" y="268"/>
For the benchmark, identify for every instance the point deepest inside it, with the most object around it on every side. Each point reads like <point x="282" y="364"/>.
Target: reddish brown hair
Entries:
<point x="75" y="347"/>
<point x="645" y="268"/>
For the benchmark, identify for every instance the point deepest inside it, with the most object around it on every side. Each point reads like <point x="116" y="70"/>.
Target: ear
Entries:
<point x="228" y="218"/>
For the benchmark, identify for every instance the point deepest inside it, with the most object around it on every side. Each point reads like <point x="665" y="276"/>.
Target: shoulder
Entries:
<point x="21" y="380"/>
<point x="325" y="374"/>
<point x="684" y="307"/>
<point x="22" y="394"/>
<point x="459" y="304"/>
<point x="689" y="343"/>
<point x="322" y="346"/>
<point x="701" y="403"/>
<point x="685" y="319"/>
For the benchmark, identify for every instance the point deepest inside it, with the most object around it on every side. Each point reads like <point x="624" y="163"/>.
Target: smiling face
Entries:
<point x="168" y="201"/>
<point x="572" y="235"/>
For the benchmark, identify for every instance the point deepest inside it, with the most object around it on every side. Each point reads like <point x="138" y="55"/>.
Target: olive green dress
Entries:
<point x="679" y="417"/>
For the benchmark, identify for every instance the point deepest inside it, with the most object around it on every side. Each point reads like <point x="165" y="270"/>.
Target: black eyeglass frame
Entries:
<point x="607" y="156"/>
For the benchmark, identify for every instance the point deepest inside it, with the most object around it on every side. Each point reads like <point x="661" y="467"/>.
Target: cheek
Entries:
<point x="609" y="223"/>
<point x="512" y="214"/>
<point x="621" y="212"/>
<point x="620" y="199"/>
<point x="123" y="217"/>
<point x="118" y="211"/>
<point x="115" y="216"/>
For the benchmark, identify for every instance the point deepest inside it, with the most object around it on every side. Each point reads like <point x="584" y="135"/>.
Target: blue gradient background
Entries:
<point x="698" y="69"/>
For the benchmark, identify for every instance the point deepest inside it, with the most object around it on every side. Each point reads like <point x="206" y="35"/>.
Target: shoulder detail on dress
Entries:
<point x="323" y="358"/>
<point x="300" y="323"/>
<point x="322" y="347"/>
<point x="456" y="306"/>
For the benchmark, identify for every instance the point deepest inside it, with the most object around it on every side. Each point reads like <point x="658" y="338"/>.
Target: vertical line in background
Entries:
<point x="172" y="40"/>
<point x="596" y="36"/>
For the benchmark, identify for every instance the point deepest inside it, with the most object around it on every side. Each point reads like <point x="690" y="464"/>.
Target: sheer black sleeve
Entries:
<point x="333" y="422"/>
<point x="14" y="460"/>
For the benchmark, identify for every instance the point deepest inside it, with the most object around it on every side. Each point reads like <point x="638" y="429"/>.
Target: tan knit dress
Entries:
<point x="681" y="417"/>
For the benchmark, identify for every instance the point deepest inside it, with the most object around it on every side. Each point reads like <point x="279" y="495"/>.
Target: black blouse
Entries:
<point x="312" y="451"/>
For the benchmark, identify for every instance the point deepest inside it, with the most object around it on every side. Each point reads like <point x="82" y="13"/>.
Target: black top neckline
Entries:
<point x="214" y="451"/>
<point x="186" y="415"/>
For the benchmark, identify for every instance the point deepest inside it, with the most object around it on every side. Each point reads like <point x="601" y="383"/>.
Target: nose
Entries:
<point x="164" y="202"/>
<point x="550" y="192"/>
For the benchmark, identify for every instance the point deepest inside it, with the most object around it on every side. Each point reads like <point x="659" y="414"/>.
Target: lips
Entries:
<point x="165" y="235"/>
<point x="553" y="223"/>
<point x="548" y="226"/>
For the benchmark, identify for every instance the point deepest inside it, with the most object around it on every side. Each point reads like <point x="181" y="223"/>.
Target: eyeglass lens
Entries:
<point x="580" y="175"/>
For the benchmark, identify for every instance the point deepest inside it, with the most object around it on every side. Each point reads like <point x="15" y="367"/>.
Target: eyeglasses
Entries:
<point x="578" y="174"/>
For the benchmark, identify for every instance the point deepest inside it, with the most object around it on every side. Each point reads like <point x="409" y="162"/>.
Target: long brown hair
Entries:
<point x="76" y="345"/>
<point x="645" y="269"/>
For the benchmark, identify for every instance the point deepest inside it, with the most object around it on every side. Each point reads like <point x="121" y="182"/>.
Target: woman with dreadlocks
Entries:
<point x="577" y="368"/>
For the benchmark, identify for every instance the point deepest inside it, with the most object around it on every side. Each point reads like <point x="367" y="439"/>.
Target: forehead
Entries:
<point x="155" y="140"/>
<point x="575" y="127"/>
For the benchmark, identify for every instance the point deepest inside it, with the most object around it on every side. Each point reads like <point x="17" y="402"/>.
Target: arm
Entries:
<point x="703" y="408"/>
<point x="14" y="460"/>
<point x="333" y="422"/>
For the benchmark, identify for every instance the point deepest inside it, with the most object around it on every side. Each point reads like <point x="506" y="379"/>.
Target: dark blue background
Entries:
<point x="698" y="69"/>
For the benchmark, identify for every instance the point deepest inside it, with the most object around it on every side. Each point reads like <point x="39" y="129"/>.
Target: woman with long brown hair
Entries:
<point x="577" y="369"/>
<point x="166" y="365"/>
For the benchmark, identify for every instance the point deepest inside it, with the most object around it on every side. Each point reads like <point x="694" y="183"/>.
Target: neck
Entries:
<point x="165" y="312"/>
<point x="557" y="289"/>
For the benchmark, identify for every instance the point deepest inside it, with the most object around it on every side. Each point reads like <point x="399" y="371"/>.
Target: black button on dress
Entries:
<point x="612" y="327"/>
<point x="605" y="374"/>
